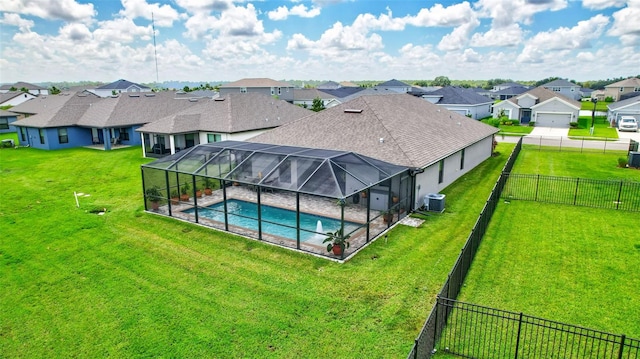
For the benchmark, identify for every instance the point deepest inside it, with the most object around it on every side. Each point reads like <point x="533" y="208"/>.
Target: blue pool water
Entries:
<point x="275" y="221"/>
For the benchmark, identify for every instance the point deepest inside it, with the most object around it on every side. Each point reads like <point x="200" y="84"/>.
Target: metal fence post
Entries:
<point x="622" y="338"/>
<point x="575" y="195"/>
<point x="535" y="198"/>
<point x="518" y="336"/>
<point x="619" y="194"/>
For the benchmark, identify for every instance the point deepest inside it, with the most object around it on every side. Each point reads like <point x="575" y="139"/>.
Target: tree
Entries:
<point x="421" y="83"/>
<point x="441" y="81"/>
<point x="13" y="88"/>
<point x="24" y="89"/>
<point x="186" y="89"/>
<point x="54" y="90"/>
<point x="318" y="105"/>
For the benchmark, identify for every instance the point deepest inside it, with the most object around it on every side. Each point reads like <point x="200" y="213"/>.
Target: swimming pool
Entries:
<point x="275" y="221"/>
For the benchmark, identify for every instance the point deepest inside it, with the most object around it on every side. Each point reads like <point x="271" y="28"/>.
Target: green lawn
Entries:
<point x="570" y="264"/>
<point x="601" y="129"/>
<point x="600" y="106"/>
<point x="574" y="164"/>
<point x="132" y="284"/>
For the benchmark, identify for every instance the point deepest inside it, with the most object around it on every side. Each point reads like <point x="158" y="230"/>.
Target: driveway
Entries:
<point x="631" y="135"/>
<point x="550" y="131"/>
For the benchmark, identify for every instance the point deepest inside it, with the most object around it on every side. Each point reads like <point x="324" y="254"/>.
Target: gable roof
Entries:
<point x="64" y="109"/>
<point x="397" y="128"/>
<point x="513" y="90"/>
<point x="5" y="113"/>
<point x="630" y="82"/>
<point x="375" y="91"/>
<point x="229" y="114"/>
<point x="343" y="92"/>
<point x="6" y="96"/>
<point x="510" y="84"/>
<point x="624" y="103"/>
<point x="120" y="85"/>
<point x="256" y="82"/>
<point x="20" y="85"/>
<point x="560" y="83"/>
<point x="393" y="83"/>
<point x="543" y="94"/>
<point x="310" y="94"/>
<point x="454" y="95"/>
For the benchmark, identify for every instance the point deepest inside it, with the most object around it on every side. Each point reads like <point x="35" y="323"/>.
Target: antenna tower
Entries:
<point x="155" y="52"/>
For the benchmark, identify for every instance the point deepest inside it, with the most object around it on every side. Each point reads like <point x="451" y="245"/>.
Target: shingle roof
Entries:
<point x="396" y="128"/>
<point x="625" y="102"/>
<point x="4" y="113"/>
<point x="343" y="92"/>
<point x="513" y="90"/>
<point x="255" y="82"/>
<point x="348" y="84"/>
<point x="230" y="114"/>
<point x="367" y="92"/>
<point x="329" y="85"/>
<point x="20" y="85"/>
<point x="453" y="95"/>
<point x="560" y="83"/>
<point x="544" y="94"/>
<point x="6" y="96"/>
<point x="510" y="84"/>
<point x="630" y="82"/>
<point x="60" y="110"/>
<point x="120" y="85"/>
<point x="393" y="83"/>
<point x="310" y="94"/>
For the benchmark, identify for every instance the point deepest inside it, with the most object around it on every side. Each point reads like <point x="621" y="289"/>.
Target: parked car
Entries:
<point x="628" y="123"/>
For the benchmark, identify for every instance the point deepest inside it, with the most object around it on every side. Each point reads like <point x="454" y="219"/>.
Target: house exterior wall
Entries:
<point x="427" y="182"/>
<point x="617" y="91"/>
<point x="510" y="110"/>
<point x="10" y="120"/>
<point x="556" y="107"/>
<point x="18" y="100"/>
<point x="77" y="137"/>
<point x="270" y="91"/>
<point x="527" y="102"/>
<point x="572" y="92"/>
<point x="632" y="110"/>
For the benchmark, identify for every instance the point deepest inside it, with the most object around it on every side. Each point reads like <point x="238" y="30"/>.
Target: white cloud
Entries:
<point x="543" y="44"/>
<point x="459" y="37"/>
<point x="469" y="55"/>
<point x="196" y="6"/>
<point x="15" y="20"/>
<point x="510" y="35"/>
<point x="626" y="24"/>
<point x="438" y="15"/>
<point x="121" y="31"/>
<point x="386" y="22"/>
<point x="602" y="4"/>
<point x="282" y="12"/>
<point x="75" y="32"/>
<point x="66" y="10"/>
<point x="337" y="39"/>
<point x="507" y="12"/>
<point x="163" y="15"/>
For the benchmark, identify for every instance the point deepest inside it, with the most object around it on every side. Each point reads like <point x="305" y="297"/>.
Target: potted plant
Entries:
<point x="208" y="184"/>
<point x="198" y="192"/>
<point x="363" y="194"/>
<point x="184" y="192"/>
<point x="394" y="197"/>
<point x="338" y="243"/>
<point x="387" y="216"/>
<point x="154" y="196"/>
<point x="175" y="197"/>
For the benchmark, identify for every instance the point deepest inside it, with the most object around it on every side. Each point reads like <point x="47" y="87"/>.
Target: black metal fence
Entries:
<point x="622" y="195"/>
<point x="426" y="340"/>
<point x="577" y="144"/>
<point x="474" y="331"/>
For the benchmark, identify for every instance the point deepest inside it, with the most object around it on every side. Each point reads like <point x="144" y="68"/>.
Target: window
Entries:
<point x="62" y="135"/>
<point x="279" y="90"/>
<point x="124" y="135"/>
<point x="214" y="137"/>
<point x="273" y="91"/>
<point x="621" y="89"/>
<point x="441" y="171"/>
<point x="41" y="133"/>
<point x="636" y="89"/>
<point x="243" y="90"/>
<point x="4" y="123"/>
<point x="23" y="134"/>
<point x="462" y="159"/>
<point x="556" y="89"/>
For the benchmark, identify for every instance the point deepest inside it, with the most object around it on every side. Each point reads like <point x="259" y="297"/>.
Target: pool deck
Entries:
<point x="325" y="207"/>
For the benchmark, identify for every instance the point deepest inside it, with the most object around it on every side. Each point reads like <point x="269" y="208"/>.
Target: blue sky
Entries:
<point x="226" y="40"/>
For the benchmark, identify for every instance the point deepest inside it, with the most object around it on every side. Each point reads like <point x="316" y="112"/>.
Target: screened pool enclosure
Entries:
<point x="289" y="196"/>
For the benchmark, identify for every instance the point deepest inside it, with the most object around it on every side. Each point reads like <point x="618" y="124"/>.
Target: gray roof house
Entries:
<point x="464" y="101"/>
<point x="439" y="145"/>
<point x="119" y="87"/>
<point x="628" y="107"/>
<point x="305" y="97"/>
<point x="394" y="85"/>
<point x="234" y="116"/>
<point x="261" y="85"/>
<point x="14" y="98"/>
<point x="565" y="88"/>
<point x="329" y="85"/>
<point x="6" y="121"/>
<point x="508" y="92"/>
<point x="547" y="108"/>
<point x="33" y="89"/>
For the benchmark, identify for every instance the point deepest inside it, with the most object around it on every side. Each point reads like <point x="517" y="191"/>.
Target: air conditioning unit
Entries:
<point x="634" y="159"/>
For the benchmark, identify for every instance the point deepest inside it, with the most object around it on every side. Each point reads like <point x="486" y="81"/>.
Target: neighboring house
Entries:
<point x="585" y="93"/>
<point x="394" y="85"/>
<point x="84" y="119"/>
<point x="547" y="108"/>
<point x="461" y="100"/>
<point x="33" y="89"/>
<point x="342" y="93"/>
<point x="565" y="88"/>
<point x="616" y="89"/>
<point x="260" y="85"/>
<point x="509" y="92"/>
<point x="232" y="117"/>
<point x="438" y="145"/>
<point x="367" y="92"/>
<point x="628" y="107"/>
<point x="348" y="84"/>
<point x="305" y="97"/>
<point x="14" y="98"/>
<point x="598" y="95"/>
<point x="506" y="85"/>
<point x="329" y="85"/>
<point x="7" y="118"/>
<point x="118" y="87"/>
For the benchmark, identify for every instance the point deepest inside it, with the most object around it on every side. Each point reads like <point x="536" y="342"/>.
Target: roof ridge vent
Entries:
<point x="352" y="110"/>
<point x="134" y="95"/>
<point x="219" y="99"/>
<point x="149" y="95"/>
<point x="193" y="99"/>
